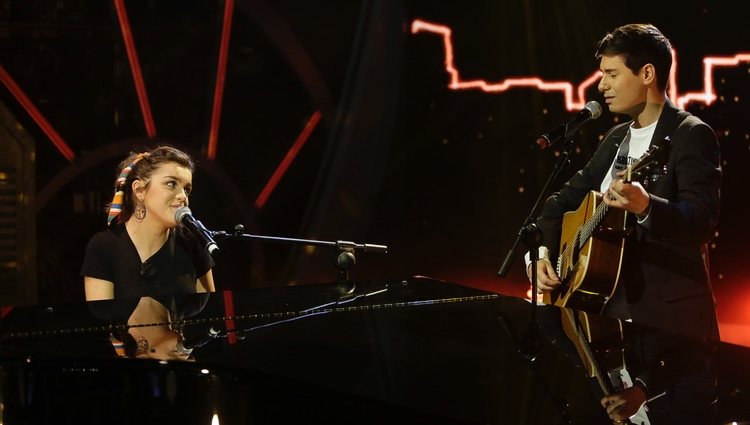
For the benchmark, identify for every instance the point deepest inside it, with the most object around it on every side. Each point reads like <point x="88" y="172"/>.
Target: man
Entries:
<point x="664" y="278"/>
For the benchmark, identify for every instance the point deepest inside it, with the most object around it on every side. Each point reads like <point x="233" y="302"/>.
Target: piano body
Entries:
<point x="416" y="350"/>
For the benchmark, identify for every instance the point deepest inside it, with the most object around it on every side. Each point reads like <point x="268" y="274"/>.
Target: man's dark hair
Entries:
<point x="639" y="44"/>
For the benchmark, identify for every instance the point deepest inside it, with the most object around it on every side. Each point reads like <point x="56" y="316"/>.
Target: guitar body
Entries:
<point x="589" y="273"/>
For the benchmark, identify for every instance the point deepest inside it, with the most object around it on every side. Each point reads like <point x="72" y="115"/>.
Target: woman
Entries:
<point x="144" y="252"/>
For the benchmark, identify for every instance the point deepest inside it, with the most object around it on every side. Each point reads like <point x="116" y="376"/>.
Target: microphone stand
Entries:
<point x="530" y="345"/>
<point x="345" y="259"/>
<point x="532" y="237"/>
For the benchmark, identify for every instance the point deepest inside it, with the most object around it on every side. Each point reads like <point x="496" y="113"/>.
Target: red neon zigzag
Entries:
<point x="707" y="96"/>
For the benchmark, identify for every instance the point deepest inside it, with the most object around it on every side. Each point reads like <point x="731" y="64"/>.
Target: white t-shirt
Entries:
<point x="633" y="146"/>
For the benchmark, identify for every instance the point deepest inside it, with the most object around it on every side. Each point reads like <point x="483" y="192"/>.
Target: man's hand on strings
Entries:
<point x="546" y="276"/>
<point x="629" y="196"/>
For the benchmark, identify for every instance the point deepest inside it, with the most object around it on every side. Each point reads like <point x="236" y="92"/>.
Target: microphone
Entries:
<point x="564" y="131"/>
<point x="185" y="217"/>
<point x="186" y="346"/>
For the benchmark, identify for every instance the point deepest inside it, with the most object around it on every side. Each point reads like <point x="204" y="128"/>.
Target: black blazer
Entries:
<point x="665" y="281"/>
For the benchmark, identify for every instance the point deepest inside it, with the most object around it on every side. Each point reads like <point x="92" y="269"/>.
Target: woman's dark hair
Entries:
<point x="143" y="169"/>
<point x="639" y="44"/>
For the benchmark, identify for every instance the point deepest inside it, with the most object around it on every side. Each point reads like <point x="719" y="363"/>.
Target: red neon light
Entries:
<point x="135" y="68"/>
<point x="706" y="96"/>
<point x="32" y="110"/>
<point x="290" y="155"/>
<point x="221" y="71"/>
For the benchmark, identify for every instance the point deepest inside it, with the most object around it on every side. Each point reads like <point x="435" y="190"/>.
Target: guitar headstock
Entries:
<point x="651" y="163"/>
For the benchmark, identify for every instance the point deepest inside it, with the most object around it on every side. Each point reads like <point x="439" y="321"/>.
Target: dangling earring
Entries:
<point x="140" y="211"/>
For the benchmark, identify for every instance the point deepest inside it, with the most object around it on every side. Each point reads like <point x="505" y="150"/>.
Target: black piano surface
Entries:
<point x="416" y="350"/>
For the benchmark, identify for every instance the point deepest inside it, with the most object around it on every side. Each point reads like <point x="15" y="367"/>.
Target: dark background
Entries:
<point x="443" y="177"/>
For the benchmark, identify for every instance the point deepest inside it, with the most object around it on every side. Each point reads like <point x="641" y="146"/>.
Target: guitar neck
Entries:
<point x="592" y="223"/>
<point x="601" y="210"/>
<point x="585" y="350"/>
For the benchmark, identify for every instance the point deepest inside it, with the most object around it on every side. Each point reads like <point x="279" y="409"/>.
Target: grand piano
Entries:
<point x="414" y="350"/>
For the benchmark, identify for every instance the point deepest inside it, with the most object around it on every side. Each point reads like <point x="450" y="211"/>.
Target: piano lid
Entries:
<point x="413" y="349"/>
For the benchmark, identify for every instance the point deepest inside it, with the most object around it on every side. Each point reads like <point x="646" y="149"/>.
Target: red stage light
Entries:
<point x="221" y="72"/>
<point x="288" y="158"/>
<point x="135" y="68"/>
<point x="32" y="110"/>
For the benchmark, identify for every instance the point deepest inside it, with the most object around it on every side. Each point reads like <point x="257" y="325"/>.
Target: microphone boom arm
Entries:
<point x="238" y="234"/>
<point x="346" y="249"/>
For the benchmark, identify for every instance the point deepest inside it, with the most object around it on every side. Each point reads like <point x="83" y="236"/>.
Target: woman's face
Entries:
<point x="167" y="190"/>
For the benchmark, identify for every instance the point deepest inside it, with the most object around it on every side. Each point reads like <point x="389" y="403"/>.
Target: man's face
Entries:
<point x="624" y="91"/>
